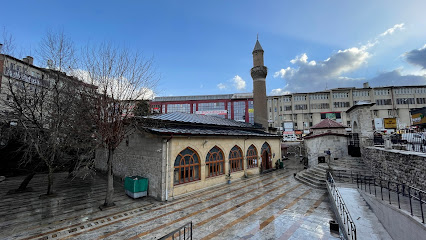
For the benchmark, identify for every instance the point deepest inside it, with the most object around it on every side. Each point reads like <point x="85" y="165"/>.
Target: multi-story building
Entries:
<point x="238" y="106"/>
<point x="301" y="111"/>
<point x="18" y="73"/>
<point x="23" y="77"/>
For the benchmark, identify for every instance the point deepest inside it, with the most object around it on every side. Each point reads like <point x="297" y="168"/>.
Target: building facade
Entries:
<point x="180" y="153"/>
<point x="327" y="140"/>
<point x="300" y="111"/>
<point x="238" y="106"/>
<point x="18" y="74"/>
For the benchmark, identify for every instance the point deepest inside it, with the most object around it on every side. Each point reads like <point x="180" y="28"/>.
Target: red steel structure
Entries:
<point x="237" y="106"/>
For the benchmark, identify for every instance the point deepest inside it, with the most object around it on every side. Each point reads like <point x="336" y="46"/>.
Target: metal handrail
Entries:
<point x="178" y="234"/>
<point x="399" y="188"/>
<point x="343" y="211"/>
<point x="344" y="173"/>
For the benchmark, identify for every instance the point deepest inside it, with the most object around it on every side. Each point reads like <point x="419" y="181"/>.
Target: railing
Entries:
<point x="348" y="175"/>
<point x="342" y="211"/>
<point x="413" y="194"/>
<point x="182" y="233"/>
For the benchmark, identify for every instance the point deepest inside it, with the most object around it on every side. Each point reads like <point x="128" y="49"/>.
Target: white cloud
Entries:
<point x="221" y="86"/>
<point x="279" y="91"/>
<point x="121" y="89"/>
<point x="238" y="83"/>
<point x="391" y="30"/>
<point x="313" y="75"/>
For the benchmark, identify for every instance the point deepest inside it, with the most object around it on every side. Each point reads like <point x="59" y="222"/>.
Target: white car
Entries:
<point x="289" y="138"/>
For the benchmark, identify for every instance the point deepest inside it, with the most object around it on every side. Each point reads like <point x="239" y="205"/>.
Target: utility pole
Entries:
<point x="409" y="115"/>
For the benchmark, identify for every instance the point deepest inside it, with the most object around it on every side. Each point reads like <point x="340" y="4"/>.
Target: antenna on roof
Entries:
<point x="50" y="64"/>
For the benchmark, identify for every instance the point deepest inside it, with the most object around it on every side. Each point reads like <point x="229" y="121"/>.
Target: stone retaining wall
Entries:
<point x="397" y="165"/>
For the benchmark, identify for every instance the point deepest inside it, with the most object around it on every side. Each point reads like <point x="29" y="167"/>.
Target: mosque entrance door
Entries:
<point x="265" y="160"/>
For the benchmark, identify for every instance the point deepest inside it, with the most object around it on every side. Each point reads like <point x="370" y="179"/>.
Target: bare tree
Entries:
<point x="45" y="102"/>
<point x="122" y="77"/>
<point x="7" y="43"/>
<point x="57" y="52"/>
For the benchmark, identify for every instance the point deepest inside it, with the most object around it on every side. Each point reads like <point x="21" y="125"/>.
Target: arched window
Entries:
<point x="187" y="167"/>
<point x="266" y="156"/>
<point x="215" y="162"/>
<point x="236" y="159"/>
<point x="251" y="157"/>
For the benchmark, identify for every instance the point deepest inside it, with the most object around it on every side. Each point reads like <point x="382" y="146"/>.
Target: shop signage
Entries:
<point x="378" y="123"/>
<point x="418" y="118"/>
<point x="389" y="122"/>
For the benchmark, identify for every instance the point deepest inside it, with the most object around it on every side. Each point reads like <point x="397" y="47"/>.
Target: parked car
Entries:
<point x="289" y="138"/>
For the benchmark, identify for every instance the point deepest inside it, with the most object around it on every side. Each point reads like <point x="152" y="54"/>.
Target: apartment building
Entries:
<point x="25" y="78"/>
<point x="300" y="111"/>
<point x="17" y="73"/>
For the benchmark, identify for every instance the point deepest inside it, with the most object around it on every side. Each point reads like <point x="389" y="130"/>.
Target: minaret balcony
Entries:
<point x="259" y="72"/>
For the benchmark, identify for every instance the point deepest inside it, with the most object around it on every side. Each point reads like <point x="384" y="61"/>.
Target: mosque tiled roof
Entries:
<point x="328" y="123"/>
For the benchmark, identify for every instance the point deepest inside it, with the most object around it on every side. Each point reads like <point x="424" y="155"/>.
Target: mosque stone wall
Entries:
<point x="316" y="147"/>
<point x="141" y="154"/>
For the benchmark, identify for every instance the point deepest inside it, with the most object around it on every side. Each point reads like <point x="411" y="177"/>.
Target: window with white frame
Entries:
<point x="340" y="94"/>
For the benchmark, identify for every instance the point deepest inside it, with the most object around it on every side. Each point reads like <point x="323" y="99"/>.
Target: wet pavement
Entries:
<point x="268" y="206"/>
<point x="367" y="224"/>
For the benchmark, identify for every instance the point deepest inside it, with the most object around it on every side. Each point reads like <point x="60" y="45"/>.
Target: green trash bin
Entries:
<point x="136" y="186"/>
<point x="281" y="164"/>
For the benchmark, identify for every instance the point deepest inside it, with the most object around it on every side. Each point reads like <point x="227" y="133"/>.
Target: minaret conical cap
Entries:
<point x="257" y="47"/>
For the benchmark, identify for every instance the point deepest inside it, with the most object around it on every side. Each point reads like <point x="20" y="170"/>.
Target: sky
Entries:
<point x="205" y="47"/>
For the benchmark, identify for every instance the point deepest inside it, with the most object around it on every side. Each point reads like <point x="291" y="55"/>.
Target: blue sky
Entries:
<point x="204" y="47"/>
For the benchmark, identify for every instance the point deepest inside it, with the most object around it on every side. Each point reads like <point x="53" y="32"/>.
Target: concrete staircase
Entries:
<point x="346" y="168"/>
<point x="343" y="169"/>
<point x="314" y="176"/>
<point x="348" y="163"/>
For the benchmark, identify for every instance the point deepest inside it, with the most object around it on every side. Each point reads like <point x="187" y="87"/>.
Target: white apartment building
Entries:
<point x="24" y="76"/>
<point x="19" y="73"/>
<point x="303" y="110"/>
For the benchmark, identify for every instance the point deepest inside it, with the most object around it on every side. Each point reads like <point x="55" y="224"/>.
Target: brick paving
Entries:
<point x="269" y="206"/>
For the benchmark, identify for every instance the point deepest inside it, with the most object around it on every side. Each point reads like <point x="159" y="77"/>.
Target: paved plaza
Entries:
<point x="269" y="206"/>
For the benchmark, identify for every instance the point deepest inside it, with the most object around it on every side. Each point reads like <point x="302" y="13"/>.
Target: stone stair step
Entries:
<point x="313" y="177"/>
<point x="310" y="183"/>
<point x="317" y="175"/>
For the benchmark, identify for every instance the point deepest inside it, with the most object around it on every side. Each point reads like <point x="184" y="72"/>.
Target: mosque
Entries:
<point x="181" y="152"/>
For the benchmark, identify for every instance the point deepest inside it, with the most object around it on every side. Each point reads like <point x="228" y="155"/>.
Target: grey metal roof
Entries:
<point x="209" y="131"/>
<point x="200" y="119"/>
<point x="360" y="103"/>
<point x="257" y="47"/>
